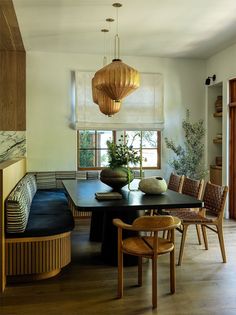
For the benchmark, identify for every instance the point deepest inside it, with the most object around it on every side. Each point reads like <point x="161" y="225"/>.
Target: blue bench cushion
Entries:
<point x="53" y="201"/>
<point x="49" y="215"/>
<point x="46" y="225"/>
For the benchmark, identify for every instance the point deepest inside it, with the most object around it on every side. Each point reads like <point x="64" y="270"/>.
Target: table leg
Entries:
<point x="109" y="239"/>
<point x="96" y="226"/>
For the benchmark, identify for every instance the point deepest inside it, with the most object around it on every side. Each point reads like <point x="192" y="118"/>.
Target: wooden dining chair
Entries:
<point x="147" y="246"/>
<point x="211" y="215"/>
<point x="194" y="188"/>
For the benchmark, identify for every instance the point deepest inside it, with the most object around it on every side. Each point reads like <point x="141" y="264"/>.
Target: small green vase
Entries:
<point x="116" y="177"/>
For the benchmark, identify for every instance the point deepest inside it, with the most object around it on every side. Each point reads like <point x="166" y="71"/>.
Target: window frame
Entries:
<point x="114" y="135"/>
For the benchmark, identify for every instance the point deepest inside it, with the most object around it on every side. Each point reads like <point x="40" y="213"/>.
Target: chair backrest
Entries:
<point x="155" y="223"/>
<point x="175" y="182"/>
<point x="214" y="198"/>
<point x="193" y="187"/>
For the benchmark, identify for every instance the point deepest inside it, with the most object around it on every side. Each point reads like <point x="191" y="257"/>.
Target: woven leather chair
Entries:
<point x="147" y="246"/>
<point x="176" y="182"/>
<point x="211" y="215"/>
<point x="194" y="188"/>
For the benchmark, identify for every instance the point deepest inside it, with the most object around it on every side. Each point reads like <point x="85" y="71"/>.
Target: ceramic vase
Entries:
<point x="153" y="185"/>
<point x="116" y="177"/>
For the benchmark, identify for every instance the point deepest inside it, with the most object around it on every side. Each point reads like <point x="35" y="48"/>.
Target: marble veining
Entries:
<point x="12" y="144"/>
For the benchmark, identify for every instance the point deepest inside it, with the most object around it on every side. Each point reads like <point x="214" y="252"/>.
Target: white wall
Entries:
<point x="223" y="65"/>
<point x="51" y="143"/>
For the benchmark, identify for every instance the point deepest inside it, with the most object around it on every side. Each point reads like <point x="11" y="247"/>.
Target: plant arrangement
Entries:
<point x="122" y="154"/>
<point x="189" y="158"/>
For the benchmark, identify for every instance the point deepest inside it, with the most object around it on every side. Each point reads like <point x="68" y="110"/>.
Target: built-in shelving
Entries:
<point x="215" y="115"/>
<point x="216" y="140"/>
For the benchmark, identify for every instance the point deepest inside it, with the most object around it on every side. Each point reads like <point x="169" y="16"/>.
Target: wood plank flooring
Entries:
<point x="204" y="284"/>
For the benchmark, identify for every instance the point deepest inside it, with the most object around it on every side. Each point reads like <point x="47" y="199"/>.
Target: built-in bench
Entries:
<point x="35" y="226"/>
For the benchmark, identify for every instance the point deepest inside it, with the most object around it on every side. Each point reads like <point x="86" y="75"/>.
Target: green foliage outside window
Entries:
<point x="93" y="150"/>
<point x="188" y="159"/>
<point x="86" y="157"/>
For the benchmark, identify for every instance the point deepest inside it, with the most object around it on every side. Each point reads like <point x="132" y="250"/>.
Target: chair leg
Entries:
<point x="172" y="271"/>
<point x="154" y="282"/>
<point x="204" y="233"/>
<point x="221" y="240"/>
<point x="168" y="235"/>
<point x="181" y="251"/>
<point x="140" y="271"/>
<point x="120" y="274"/>
<point x="198" y="234"/>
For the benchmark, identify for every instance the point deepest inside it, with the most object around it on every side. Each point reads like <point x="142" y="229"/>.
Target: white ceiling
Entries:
<point x="164" y="28"/>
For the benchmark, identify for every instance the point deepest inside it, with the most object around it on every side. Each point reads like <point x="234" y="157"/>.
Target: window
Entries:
<point x="92" y="148"/>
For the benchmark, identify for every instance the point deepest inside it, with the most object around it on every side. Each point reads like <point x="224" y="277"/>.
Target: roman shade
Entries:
<point x="143" y="109"/>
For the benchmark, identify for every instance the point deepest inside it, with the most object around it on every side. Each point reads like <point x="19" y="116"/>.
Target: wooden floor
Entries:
<point x="204" y="284"/>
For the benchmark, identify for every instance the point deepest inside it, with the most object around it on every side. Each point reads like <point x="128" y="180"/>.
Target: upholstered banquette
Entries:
<point x="35" y="226"/>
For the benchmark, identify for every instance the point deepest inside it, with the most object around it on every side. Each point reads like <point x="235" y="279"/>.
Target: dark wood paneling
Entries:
<point x="232" y="150"/>
<point x="12" y="90"/>
<point x="12" y="71"/>
<point x="10" y="36"/>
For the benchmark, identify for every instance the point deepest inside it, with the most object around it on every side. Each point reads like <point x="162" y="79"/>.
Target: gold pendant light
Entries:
<point x="117" y="80"/>
<point x="95" y="91"/>
<point x="106" y="105"/>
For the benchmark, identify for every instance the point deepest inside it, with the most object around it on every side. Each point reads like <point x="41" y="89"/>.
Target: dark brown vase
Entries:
<point x="116" y="177"/>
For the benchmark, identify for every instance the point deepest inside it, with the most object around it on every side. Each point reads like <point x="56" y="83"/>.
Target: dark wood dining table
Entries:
<point x="82" y="195"/>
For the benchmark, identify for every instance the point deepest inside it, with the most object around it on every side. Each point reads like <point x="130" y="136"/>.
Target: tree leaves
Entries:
<point x="189" y="159"/>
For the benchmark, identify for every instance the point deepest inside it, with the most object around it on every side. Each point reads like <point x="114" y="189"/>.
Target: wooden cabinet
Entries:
<point x="214" y="131"/>
<point x="216" y="174"/>
<point x="232" y="148"/>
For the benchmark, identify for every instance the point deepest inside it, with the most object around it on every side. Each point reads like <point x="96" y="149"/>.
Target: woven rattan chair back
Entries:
<point x="214" y="199"/>
<point x="175" y="182"/>
<point x="192" y="187"/>
<point x="214" y="203"/>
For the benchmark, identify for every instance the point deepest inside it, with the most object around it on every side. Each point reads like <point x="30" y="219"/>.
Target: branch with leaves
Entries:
<point x="189" y="158"/>
<point x="121" y="154"/>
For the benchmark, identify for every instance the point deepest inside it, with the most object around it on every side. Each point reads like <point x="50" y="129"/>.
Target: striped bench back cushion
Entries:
<point x="18" y="204"/>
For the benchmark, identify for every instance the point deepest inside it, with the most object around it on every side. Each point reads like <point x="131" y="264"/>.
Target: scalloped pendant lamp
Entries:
<point x="95" y="91"/>
<point x="117" y="80"/>
<point x="106" y="105"/>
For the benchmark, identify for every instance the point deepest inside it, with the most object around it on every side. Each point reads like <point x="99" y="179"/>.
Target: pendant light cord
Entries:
<point x="117" y="39"/>
<point x="105" y="49"/>
<point x="104" y="30"/>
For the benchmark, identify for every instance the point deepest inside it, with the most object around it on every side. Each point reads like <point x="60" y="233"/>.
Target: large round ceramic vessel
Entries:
<point x="153" y="185"/>
<point x="116" y="177"/>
